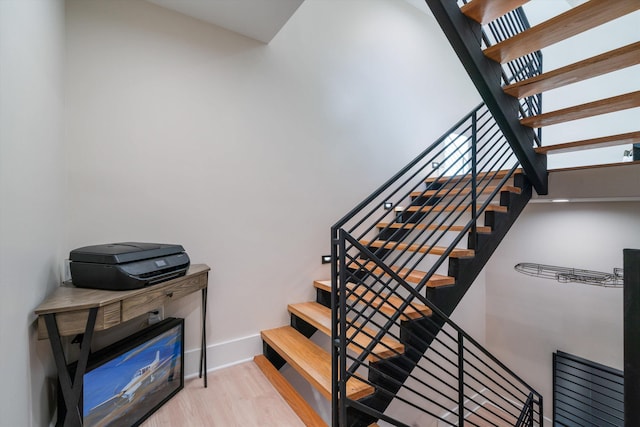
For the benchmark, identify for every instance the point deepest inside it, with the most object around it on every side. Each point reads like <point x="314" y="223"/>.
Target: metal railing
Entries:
<point x="521" y="68"/>
<point x="385" y="253"/>
<point x="586" y="392"/>
<point x="526" y="417"/>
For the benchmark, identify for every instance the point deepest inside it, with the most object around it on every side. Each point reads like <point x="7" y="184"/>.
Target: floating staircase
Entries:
<point x="404" y="258"/>
<point x="502" y="47"/>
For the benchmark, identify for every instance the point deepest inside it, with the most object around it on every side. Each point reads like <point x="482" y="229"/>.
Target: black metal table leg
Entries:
<point x="71" y="391"/>
<point x="203" y="344"/>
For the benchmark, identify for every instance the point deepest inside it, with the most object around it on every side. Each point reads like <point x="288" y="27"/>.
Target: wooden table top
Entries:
<point x="70" y="298"/>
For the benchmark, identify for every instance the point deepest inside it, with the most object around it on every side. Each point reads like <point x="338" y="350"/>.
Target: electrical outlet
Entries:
<point x="156" y="316"/>
<point x="326" y="259"/>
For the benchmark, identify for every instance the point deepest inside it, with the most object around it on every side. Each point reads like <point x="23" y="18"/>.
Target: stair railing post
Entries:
<point x="474" y="177"/>
<point x="339" y="384"/>
<point x="540" y="412"/>
<point x="460" y="379"/>
<point x="334" y="327"/>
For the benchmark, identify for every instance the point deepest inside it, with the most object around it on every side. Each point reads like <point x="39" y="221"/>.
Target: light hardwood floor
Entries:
<point x="238" y="396"/>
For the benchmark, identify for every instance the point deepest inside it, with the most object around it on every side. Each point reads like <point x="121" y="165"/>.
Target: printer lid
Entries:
<point x="119" y="253"/>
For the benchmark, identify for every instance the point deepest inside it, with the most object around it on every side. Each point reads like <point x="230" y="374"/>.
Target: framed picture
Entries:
<point x="127" y="381"/>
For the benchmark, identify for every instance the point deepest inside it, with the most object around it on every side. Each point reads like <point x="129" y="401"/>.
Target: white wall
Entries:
<point x="245" y="153"/>
<point x="529" y="318"/>
<point x="32" y="221"/>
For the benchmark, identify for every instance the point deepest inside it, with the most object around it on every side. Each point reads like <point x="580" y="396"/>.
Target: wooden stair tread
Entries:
<point x="574" y="21"/>
<point x="320" y="317"/>
<point x="311" y="361"/>
<point x="451" y="179"/>
<point x="414" y="311"/>
<point x="617" y="59"/>
<point x="590" y="109"/>
<point x="297" y="403"/>
<point x="435" y="250"/>
<point x="463" y="192"/>
<point x="411" y="276"/>
<point x="438" y="208"/>
<point x="430" y="227"/>
<point x="604" y="165"/>
<point x="485" y="11"/>
<point x="606" y="141"/>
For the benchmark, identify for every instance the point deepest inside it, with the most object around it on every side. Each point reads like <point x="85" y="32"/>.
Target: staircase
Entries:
<point x="403" y="258"/>
<point x="506" y="66"/>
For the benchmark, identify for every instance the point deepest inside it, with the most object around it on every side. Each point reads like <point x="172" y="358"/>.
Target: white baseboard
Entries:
<point x="453" y="412"/>
<point x="223" y="354"/>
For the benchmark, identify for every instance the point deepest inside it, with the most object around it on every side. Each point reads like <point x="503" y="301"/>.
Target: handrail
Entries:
<point x="527" y="412"/>
<point x="421" y="300"/>
<point x="403" y="171"/>
<point x="471" y="384"/>
<point x="385" y="255"/>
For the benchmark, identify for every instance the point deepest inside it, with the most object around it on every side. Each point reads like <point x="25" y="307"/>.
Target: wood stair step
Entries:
<point x="590" y="109"/>
<point x="452" y="179"/>
<point x="320" y="317"/>
<point x="430" y="227"/>
<point x="463" y="192"/>
<point x="607" y="62"/>
<point x="574" y="21"/>
<point x="411" y="276"/>
<point x="439" y="208"/>
<point x="485" y="11"/>
<point x="311" y="361"/>
<point x="383" y="302"/>
<point x="606" y="141"/>
<point x="603" y="165"/>
<point x="435" y="250"/>
<point x="297" y="403"/>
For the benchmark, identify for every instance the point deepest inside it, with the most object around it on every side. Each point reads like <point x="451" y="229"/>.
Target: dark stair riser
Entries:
<point x="417" y="335"/>
<point x="465" y="270"/>
<point x="273" y="356"/>
<point x="298" y="324"/>
<point x="389" y="374"/>
<point x="397" y="234"/>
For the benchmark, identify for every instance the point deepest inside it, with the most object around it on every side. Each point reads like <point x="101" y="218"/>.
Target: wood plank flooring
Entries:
<point x="238" y="396"/>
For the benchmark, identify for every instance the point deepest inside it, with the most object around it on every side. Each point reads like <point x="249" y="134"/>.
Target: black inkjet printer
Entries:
<point x="126" y="266"/>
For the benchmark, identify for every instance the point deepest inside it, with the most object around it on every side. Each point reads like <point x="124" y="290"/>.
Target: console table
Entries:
<point x="71" y="311"/>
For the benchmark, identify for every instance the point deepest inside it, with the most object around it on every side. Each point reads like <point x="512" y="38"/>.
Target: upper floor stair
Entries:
<point x="511" y="48"/>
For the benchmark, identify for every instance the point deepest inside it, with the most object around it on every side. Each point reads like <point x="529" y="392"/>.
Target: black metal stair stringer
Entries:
<point x="464" y="34"/>
<point x="418" y="335"/>
<point x="466" y="270"/>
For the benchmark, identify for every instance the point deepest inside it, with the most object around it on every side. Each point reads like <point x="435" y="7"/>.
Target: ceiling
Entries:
<point x="258" y="19"/>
